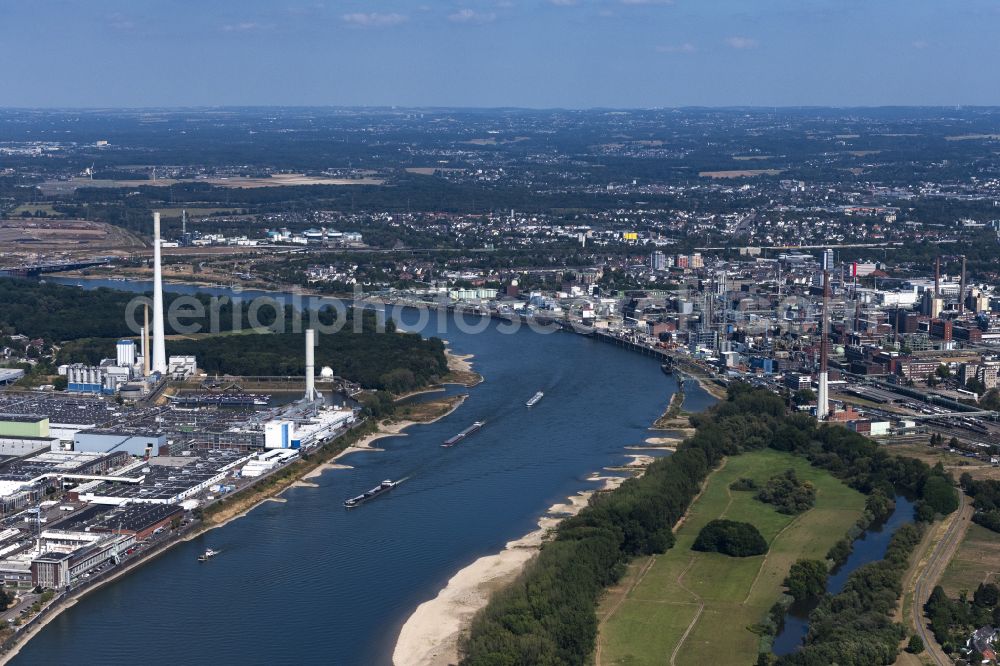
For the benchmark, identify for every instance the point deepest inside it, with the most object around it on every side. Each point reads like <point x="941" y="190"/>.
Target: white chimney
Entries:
<point x="310" y="364"/>
<point x="159" y="339"/>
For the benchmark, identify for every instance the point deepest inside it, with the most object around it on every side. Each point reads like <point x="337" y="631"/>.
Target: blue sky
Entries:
<point x="530" y="53"/>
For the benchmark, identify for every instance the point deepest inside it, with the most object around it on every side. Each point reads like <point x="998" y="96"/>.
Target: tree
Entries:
<point x="915" y="646"/>
<point x="730" y="537"/>
<point x="986" y="595"/>
<point x="804" y="396"/>
<point x="806" y="579"/>
<point x="975" y="386"/>
<point x="991" y="400"/>
<point x="788" y="494"/>
<point x="943" y="371"/>
<point x="940" y="495"/>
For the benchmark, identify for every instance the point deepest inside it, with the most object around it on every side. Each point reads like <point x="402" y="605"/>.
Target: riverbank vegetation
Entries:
<point x="806" y="579"/>
<point x="548" y="614"/>
<point x="855" y="626"/>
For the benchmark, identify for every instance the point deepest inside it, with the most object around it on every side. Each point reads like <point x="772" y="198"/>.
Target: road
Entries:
<point x="929" y="575"/>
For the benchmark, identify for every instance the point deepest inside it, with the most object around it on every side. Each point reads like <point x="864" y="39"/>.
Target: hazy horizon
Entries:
<point x="533" y="54"/>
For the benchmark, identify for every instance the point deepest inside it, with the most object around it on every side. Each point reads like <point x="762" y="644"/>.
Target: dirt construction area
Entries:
<point x="35" y="237"/>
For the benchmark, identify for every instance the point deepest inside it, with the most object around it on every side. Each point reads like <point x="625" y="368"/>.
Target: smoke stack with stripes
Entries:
<point x="159" y="339"/>
<point x="311" y="393"/>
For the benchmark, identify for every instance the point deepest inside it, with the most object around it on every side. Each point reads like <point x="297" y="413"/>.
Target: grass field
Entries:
<point x="34" y="209"/>
<point x="976" y="561"/>
<point x="695" y="608"/>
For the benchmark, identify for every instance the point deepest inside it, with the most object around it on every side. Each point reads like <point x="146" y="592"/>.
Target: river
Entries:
<point x="306" y="581"/>
<point x="870" y="546"/>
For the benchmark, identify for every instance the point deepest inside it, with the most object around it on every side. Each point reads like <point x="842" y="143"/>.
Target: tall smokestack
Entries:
<point x="961" y="289"/>
<point x="310" y="364"/>
<point x="145" y="341"/>
<point x="159" y="339"/>
<point x="823" y="401"/>
<point x="937" y="277"/>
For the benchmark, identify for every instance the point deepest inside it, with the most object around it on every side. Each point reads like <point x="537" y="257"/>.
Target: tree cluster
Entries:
<point x="730" y="537"/>
<point x="806" y="579"/>
<point x="954" y="620"/>
<point x="788" y="494"/>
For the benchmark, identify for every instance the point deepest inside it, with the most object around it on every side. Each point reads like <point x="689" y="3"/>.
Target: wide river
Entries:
<point x="304" y="581"/>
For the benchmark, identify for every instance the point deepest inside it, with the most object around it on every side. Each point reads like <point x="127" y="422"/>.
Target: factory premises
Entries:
<point x="87" y="483"/>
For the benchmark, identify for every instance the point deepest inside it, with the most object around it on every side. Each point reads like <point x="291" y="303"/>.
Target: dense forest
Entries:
<point x="547" y="616"/>
<point x="397" y="362"/>
<point x="58" y="313"/>
<point x="390" y="361"/>
<point x="88" y="324"/>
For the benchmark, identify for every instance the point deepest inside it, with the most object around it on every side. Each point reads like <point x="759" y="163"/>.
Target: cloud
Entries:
<point x="686" y="47"/>
<point x="121" y="22"/>
<point x="742" y="43"/>
<point x="646" y="2"/>
<point x="919" y="44"/>
<point x="563" y="3"/>
<point x="374" y="19"/>
<point x="244" y="26"/>
<point x="471" y="16"/>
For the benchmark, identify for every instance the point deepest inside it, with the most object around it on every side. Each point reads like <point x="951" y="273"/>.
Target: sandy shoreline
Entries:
<point x="430" y="635"/>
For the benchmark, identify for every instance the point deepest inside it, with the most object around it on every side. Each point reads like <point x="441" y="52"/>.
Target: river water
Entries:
<point x="869" y="547"/>
<point x="304" y="581"/>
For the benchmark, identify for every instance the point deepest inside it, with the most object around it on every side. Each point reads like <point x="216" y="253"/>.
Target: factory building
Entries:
<point x="180" y="367"/>
<point x="126" y="354"/>
<point x="24" y="425"/>
<point x="106" y="441"/>
<point x="10" y="375"/>
<point x="280" y="435"/>
<point x="82" y="378"/>
<point x="68" y="555"/>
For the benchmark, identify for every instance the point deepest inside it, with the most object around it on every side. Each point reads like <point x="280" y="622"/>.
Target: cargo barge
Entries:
<point x="452" y="441"/>
<point x="533" y="400"/>
<point x="383" y="487"/>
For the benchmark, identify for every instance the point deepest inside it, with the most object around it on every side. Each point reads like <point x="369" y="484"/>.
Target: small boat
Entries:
<point x="668" y="368"/>
<point x="383" y="487"/>
<point x="533" y="400"/>
<point x="208" y="554"/>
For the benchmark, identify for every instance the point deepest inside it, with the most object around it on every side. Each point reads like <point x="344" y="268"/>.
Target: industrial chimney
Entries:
<point x="159" y="339"/>
<point x="961" y="289"/>
<point x="823" y="401"/>
<point x="311" y="393"/>
<point x="937" y="277"/>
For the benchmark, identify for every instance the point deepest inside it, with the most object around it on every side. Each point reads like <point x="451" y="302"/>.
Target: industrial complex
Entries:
<point x="88" y="481"/>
